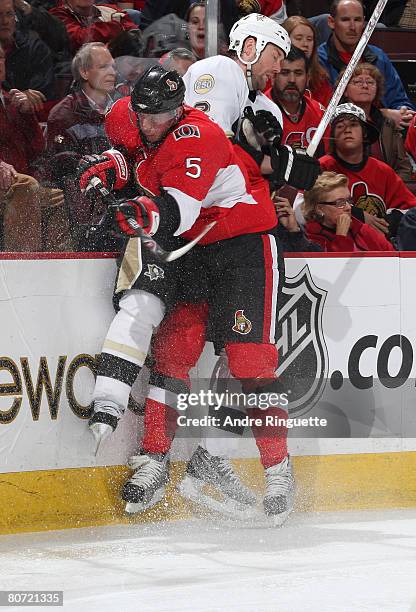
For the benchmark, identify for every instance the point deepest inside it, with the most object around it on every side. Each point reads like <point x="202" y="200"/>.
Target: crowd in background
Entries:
<point x="63" y="63"/>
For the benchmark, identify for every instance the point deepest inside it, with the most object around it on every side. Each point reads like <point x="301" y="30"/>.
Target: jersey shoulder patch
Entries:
<point x="186" y="131"/>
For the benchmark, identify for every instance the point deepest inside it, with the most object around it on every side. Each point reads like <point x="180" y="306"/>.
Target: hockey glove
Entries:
<point x="142" y="210"/>
<point x="294" y="167"/>
<point x="256" y="133"/>
<point x="110" y="167"/>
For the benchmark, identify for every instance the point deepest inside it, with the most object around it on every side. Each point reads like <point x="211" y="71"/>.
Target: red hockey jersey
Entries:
<point x="298" y="134"/>
<point x="196" y="165"/>
<point x="375" y="187"/>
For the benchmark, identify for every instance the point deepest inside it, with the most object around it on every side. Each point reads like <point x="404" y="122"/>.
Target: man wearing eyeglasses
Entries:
<point x="375" y="188"/>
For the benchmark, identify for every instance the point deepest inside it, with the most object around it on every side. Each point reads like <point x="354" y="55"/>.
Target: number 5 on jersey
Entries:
<point x="194" y="167"/>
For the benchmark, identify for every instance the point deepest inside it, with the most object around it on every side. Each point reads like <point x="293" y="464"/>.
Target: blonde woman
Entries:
<point x="327" y="211"/>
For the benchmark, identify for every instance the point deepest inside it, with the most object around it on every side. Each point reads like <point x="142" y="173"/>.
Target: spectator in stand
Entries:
<point x="195" y="17"/>
<point x="87" y="22"/>
<point x="301" y="114"/>
<point x="303" y="35"/>
<point x="29" y="65"/>
<point x="346" y="21"/>
<point x="398" y="13"/>
<point x="365" y="89"/>
<point x="327" y="210"/>
<point x="76" y="128"/>
<point x="275" y="9"/>
<point x="178" y="59"/>
<point x="127" y="51"/>
<point x="25" y="207"/>
<point x="375" y="188"/>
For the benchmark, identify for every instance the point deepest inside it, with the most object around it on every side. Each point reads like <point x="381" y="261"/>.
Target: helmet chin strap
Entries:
<point x="249" y="74"/>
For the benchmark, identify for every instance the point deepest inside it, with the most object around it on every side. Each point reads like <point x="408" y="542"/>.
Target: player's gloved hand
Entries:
<point x="142" y="210"/>
<point x="110" y="167"/>
<point x="257" y="132"/>
<point x="294" y="167"/>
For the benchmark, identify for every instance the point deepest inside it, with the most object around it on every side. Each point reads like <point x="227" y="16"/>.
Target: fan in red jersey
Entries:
<point x="375" y="188"/>
<point x="301" y="114"/>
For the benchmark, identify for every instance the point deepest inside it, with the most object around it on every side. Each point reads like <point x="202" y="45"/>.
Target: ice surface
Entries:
<point x="321" y="562"/>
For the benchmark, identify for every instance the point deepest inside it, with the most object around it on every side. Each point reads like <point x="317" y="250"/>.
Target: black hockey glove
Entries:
<point x="294" y="167"/>
<point x="257" y="132"/>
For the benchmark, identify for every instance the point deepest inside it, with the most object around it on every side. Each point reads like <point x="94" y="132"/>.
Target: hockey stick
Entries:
<point x="336" y="97"/>
<point x="147" y="240"/>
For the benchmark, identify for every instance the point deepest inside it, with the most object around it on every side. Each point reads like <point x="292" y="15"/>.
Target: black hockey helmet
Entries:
<point x="157" y="90"/>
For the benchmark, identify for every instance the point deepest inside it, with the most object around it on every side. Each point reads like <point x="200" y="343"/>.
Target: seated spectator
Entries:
<point x="178" y="59"/>
<point x="398" y="13"/>
<point x="327" y="211"/>
<point x="301" y="114"/>
<point x="365" y="89"/>
<point x="347" y="24"/>
<point x="29" y="65"/>
<point x="165" y="34"/>
<point x="303" y="35"/>
<point x="26" y="208"/>
<point x="86" y="21"/>
<point x="195" y="17"/>
<point x="127" y="50"/>
<point x="375" y="188"/>
<point x="76" y="128"/>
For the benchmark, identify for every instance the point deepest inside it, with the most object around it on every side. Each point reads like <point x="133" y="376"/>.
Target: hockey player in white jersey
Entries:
<point x="224" y="87"/>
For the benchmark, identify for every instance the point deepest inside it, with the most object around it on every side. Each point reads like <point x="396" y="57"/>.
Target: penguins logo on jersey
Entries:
<point x="204" y="84"/>
<point x="242" y="325"/>
<point x="370" y="202"/>
<point x="154" y="272"/>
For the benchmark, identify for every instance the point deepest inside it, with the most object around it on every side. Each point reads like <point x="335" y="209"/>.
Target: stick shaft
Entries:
<point x="337" y="95"/>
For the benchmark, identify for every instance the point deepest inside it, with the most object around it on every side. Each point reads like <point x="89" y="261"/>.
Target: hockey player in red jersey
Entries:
<point x="249" y="268"/>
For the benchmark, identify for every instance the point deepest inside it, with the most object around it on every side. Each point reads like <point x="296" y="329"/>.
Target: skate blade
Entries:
<point x="134" y="508"/>
<point x="100" y="431"/>
<point x="191" y="489"/>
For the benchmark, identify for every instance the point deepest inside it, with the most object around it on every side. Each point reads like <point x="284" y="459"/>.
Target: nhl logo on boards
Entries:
<point x="303" y="355"/>
<point x="154" y="272"/>
<point x="172" y="85"/>
<point x="242" y="325"/>
<point x="204" y="84"/>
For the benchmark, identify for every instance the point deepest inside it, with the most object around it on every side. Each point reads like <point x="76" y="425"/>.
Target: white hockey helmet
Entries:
<point x="263" y="29"/>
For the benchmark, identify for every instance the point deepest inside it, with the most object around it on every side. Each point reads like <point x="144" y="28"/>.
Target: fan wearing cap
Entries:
<point x="376" y="190"/>
<point x="224" y="87"/>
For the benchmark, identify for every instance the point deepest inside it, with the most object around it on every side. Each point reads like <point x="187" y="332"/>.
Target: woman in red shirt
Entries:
<point x="327" y="210"/>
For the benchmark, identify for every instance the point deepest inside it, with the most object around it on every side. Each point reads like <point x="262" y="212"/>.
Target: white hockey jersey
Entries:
<point x="218" y="86"/>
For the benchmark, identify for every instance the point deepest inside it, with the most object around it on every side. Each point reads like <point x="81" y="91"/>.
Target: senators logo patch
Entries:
<point x="172" y="85"/>
<point x="204" y="84"/>
<point x="186" y="131"/>
<point x="242" y="325"/>
<point x="370" y="202"/>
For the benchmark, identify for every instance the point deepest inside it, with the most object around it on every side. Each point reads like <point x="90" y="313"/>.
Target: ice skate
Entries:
<point x="203" y="469"/>
<point x="147" y="485"/>
<point x="280" y="489"/>
<point x="104" y="421"/>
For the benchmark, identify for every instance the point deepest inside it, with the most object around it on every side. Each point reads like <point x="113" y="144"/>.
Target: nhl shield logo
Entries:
<point x="242" y="325"/>
<point x="303" y="355"/>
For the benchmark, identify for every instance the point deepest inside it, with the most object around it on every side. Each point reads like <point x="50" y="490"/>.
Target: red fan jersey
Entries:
<point x="374" y="186"/>
<point x="196" y="164"/>
<point x="298" y="130"/>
